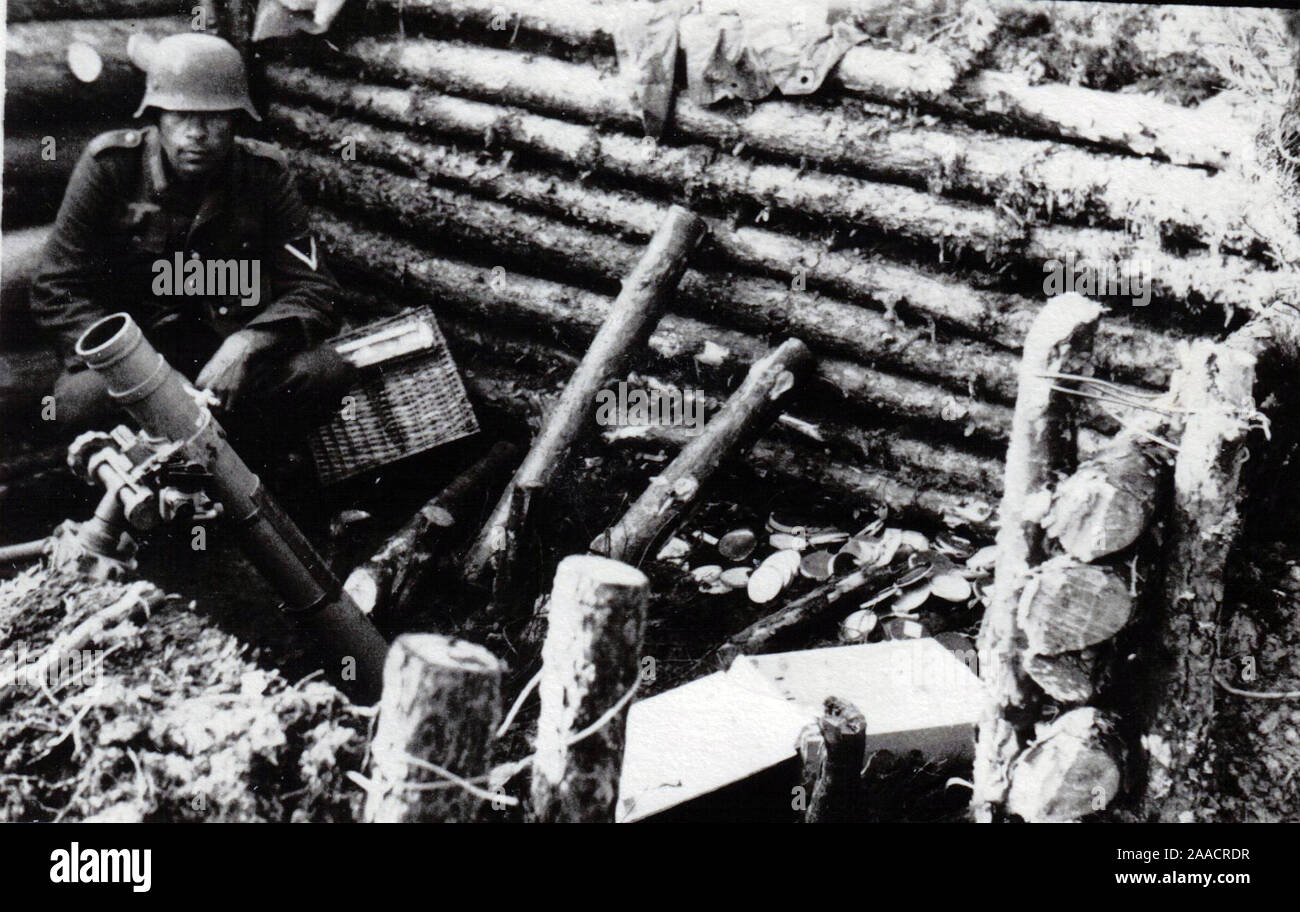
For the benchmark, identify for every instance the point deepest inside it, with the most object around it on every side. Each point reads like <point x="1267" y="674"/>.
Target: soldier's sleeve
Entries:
<point x="67" y="294"/>
<point x="304" y="292"/>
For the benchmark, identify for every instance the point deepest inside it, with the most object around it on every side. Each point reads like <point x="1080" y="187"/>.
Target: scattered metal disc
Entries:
<point x="858" y="626"/>
<point x="736" y="577"/>
<point x="787" y="562"/>
<point x="915" y="540"/>
<point x="983" y="559"/>
<point x="912" y="599"/>
<point x="860" y="551"/>
<point x="709" y="573"/>
<point x="871" y="529"/>
<point x="890" y="541"/>
<point x="776" y="524"/>
<point x="827" y="537"/>
<point x="714" y="587"/>
<point x="737" y="544"/>
<point x="955" y="546"/>
<point x="816" y="565"/>
<point x="903" y="629"/>
<point x="783" y="541"/>
<point x="912" y="576"/>
<point x="765" y="584"/>
<point x="950" y="586"/>
<point x="960" y="645"/>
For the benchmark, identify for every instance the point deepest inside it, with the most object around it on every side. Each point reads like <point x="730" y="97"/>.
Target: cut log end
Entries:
<point x="1067" y="606"/>
<point x="1074" y="769"/>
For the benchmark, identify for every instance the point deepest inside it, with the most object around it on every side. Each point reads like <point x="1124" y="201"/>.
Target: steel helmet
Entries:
<point x="192" y="72"/>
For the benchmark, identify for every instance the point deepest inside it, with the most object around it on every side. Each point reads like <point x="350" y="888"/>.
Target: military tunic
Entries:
<point x="123" y="214"/>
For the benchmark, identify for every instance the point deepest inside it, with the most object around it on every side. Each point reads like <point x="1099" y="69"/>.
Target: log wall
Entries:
<point x="485" y="157"/>
<point x="49" y="112"/>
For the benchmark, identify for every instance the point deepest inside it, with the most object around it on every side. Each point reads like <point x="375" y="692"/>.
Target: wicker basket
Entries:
<point x="408" y="402"/>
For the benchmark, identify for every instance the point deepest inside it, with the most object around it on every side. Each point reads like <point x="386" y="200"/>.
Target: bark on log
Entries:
<point x="1124" y="350"/>
<point x="385" y="583"/>
<point x="750" y="303"/>
<point x="632" y="318"/>
<point x="40" y="89"/>
<point x="1106" y="505"/>
<point x="590" y="661"/>
<point x="575" y="91"/>
<point x="915" y="462"/>
<point x="807" y="609"/>
<point x="1050" y="182"/>
<point x="1038" y="437"/>
<point x="1073" y="769"/>
<point x="1145" y="126"/>
<point x="743" y="417"/>
<point x="832" y="752"/>
<point x="508" y="298"/>
<point x="1216" y="386"/>
<point x="441" y="704"/>
<point x="41" y="10"/>
<point x="1067" y="606"/>
<point x="856" y="484"/>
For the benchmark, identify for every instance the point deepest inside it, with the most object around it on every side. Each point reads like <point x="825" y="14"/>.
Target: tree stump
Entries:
<point x="441" y="704"/>
<point x="589" y="662"/>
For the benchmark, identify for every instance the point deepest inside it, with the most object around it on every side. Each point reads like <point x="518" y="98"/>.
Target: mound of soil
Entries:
<point x="166" y="718"/>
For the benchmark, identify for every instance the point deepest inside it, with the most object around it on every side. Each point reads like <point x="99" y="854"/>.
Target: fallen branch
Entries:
<point x="739" y="421"/>
<point x="632" y="317"/>
<point x="387" y="581"/>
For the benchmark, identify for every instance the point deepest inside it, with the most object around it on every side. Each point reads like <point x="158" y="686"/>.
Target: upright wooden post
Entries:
<point x="1039" y="445"/>
<point x="590" y="661"/>
<point x="832" y="751"/>
<point x="629" y="323"/>
<point x="441" y="705"/>
<point x="1216" y="386"/>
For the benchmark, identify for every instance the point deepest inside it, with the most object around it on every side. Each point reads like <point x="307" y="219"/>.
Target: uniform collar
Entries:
<point x="159" y="182"/>
<point x="155" y="168"/>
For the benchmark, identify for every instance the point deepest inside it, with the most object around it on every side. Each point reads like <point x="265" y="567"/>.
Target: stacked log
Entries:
<point x="510" y="185"/>
<point x="1131" y="124"/>
<point x="51" y="109"/>
<point x="1085" y="560"/>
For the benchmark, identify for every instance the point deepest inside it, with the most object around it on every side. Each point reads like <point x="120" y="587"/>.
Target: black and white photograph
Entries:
<point x="651" y="411"/>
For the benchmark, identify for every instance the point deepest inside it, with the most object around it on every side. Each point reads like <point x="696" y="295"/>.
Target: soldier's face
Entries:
<point x="196" y="142"/>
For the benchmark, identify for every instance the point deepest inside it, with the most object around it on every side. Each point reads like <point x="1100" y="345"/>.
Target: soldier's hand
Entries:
<point x="225" y="374"/>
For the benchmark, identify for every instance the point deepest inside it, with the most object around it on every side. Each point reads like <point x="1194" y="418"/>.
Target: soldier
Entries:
<point x="201" y="236"/>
